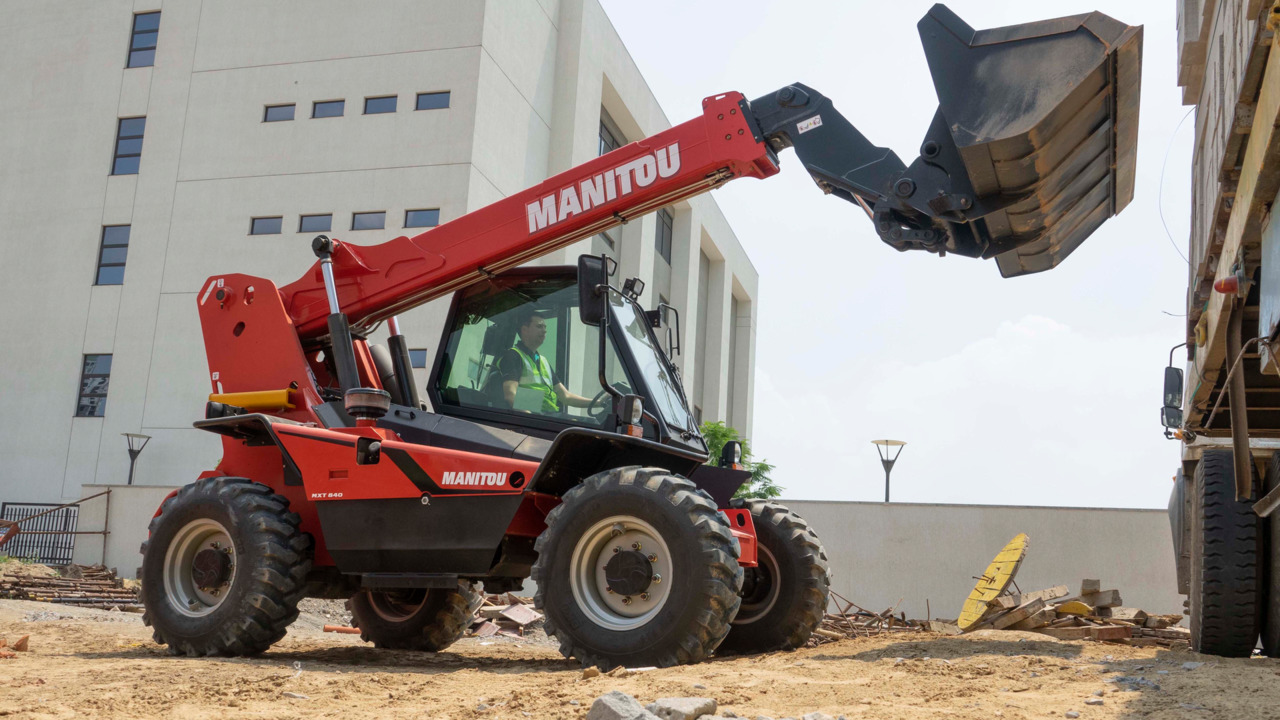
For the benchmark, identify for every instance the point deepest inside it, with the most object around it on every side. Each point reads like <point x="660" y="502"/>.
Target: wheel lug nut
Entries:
<point x="215" y="545"/>
<point x="657" y="578"/>
<point x="626" y="600"/>
<point x="644" y="596"/>
<point x="653" y="558"/>
<point x="617" y="548"/>
<point x="635" y="546"/>
<point x="608" y="590"/>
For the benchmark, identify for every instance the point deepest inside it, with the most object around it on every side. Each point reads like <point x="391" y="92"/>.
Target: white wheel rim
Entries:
<point x="751" y="612"/>
<point x="590" y="588"/>
<point x="180" y="587"/>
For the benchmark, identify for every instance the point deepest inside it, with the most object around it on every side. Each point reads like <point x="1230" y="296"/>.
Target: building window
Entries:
<point x="421" y="218"/>
<point x="328" y="108"/>
<point x="266" y="226"/>
<point x="432" y="101"/>
<point x="369" y="220"/>
<point x="142" y="44"/>
<point x="610" y="140"/>
<point x="128" y="146"/>
<point x="379" y="105"/>
<point x="94" y="377"/>
<point x="418" y="358"/>
<point x="111" y="255"/>
<point x="315" y="223"/>
<point x="278" y="113"/>
<point x="697" y="415"/>
<point x="665" y="222"/>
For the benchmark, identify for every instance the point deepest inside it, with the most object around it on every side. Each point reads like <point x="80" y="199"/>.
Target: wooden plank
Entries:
<point x="1039" y="620"/>
<point x="1009" y="602"/>
<point x="1018" y="614"/>
<point x="1108" y="632"/>
<point x="1090" y="586"/>
<point x="1124" y="613"/>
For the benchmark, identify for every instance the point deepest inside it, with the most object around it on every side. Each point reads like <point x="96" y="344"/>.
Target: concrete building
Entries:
<point x="146" y="145"/>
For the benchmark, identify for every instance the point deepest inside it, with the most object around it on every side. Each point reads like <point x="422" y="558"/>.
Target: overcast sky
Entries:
<point x="1040" y="390"/>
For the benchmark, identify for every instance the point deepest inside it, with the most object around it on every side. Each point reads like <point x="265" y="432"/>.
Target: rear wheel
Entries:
<point x="637" y="567"/>
<point x="1226" y="575"/>
<point x="223" y="568"/>
<point x="419" y="619"/>
<point x="785" y="596"/>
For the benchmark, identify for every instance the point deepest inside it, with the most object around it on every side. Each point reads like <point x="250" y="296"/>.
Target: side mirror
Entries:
<point x="1173" y="387"/>
<point x="1171" y="413"/>
<point x="593" y="272"/>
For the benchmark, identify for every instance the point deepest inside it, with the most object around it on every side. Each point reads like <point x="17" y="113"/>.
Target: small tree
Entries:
<point x="761" y="485"/>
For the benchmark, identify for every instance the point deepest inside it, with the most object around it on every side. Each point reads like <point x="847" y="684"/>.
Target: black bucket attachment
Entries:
<point x="1044" y="118"/>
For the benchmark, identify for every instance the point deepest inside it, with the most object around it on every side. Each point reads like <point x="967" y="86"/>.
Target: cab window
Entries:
<point x="519" y="348"/>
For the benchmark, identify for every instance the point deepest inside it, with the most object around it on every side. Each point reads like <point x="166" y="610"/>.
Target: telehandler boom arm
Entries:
<point x="1033" y="146"/>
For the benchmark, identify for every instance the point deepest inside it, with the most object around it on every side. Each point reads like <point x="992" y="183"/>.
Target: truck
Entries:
<point x="1222" y="382"/>
<point x="555" y="441"/>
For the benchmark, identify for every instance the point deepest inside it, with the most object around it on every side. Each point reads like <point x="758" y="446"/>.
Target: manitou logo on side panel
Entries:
<point x="474" y="479"/>
<point x="604" y="188"/>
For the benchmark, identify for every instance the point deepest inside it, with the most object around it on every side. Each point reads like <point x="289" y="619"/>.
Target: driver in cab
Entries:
<point x="528" y="381"/>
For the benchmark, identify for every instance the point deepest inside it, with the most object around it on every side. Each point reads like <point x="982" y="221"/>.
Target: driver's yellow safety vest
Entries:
<point x="536" y="375"/>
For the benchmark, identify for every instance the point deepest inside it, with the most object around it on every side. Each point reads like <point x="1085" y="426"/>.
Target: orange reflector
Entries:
<point x="1178" y="434"/>
<point x="633" y="430"/>
<point x="259" y="400"/>
<point x="1229" y="285"/>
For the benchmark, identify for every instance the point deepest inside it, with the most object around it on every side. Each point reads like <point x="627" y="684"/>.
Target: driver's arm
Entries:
<point x="509" y="391"/>
<point x="567" y="396"/>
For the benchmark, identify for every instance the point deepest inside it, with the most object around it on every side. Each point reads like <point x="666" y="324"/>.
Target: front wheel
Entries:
<point x="223" y="568"/>
<point x="785" y="596"/>
<point x="421" y="619"/>
<point x="637" y="567"/>
<point x="1226" y="574"/>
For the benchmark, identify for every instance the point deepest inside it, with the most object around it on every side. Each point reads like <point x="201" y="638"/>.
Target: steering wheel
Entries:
<point x="598" y="409"/>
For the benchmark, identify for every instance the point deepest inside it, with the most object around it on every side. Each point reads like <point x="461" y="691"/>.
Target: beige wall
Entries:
<point x="882" y="552"/>
<point x="131" y="508"/>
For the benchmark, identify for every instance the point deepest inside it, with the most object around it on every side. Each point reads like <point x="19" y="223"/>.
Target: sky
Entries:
<point x="1038" y="390"/>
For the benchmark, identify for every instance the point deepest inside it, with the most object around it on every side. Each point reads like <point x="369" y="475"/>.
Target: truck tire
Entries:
<point x="785" y="597"/>
<point x="1226" y="575"/>
<point x="1271" y="537"/>
<point x="637" y="567"/>
<point x="429" y="620"/>
<point x="224" y="567"/>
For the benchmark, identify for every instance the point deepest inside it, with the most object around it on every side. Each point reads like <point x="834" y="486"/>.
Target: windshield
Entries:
<point x="653" y="365"/>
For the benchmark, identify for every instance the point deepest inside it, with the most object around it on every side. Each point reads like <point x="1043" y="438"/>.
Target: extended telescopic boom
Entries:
<point x="1033" y="146"/>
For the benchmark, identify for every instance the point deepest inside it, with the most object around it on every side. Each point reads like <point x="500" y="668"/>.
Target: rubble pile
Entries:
<point x="1092" y="614"/>
<point x="504" y="614"/>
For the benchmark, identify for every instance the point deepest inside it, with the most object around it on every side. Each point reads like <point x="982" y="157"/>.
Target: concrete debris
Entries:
<point x="504" y="613"/>
<point x="688" y="708"/>
<point x="590" y="672"/>
<point x="295" y="696"/>
<point x="1185" y="665"/>
<point x="617" y="705"/>
<point x="20" y="645"/>
<point x="1095" y="614"/>
<point x="1094" y="701"/>
<point x="817" y="716"/>
<point x="1072" y="714"/>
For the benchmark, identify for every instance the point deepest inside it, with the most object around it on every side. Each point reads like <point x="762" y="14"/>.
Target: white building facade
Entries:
<point x="146" y="145"/>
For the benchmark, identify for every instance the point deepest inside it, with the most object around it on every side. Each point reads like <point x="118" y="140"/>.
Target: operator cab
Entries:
<point x="517" y="355"/>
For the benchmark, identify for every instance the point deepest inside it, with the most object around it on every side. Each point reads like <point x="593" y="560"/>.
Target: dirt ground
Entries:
<point x="92" y="663"/>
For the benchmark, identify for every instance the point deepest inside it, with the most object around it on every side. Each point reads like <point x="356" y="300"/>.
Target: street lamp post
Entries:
<point x="882" y="447"/>
<point x="137" y="441"/>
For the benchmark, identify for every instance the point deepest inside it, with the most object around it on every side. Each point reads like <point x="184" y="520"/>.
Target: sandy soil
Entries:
<point x="91" y="663"/>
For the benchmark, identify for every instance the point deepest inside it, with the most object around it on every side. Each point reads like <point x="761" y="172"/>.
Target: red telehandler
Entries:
<point x="559" y="444"/>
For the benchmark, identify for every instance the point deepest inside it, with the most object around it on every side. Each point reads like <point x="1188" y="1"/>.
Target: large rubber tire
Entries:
<point x="1271" y="564"/>
<point x="1226" y="572"/>
<point x="785" y="596"/>
<point x="267" y="577"/>
<point x="425" y="620"/>
<point x="700" y="596"/>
